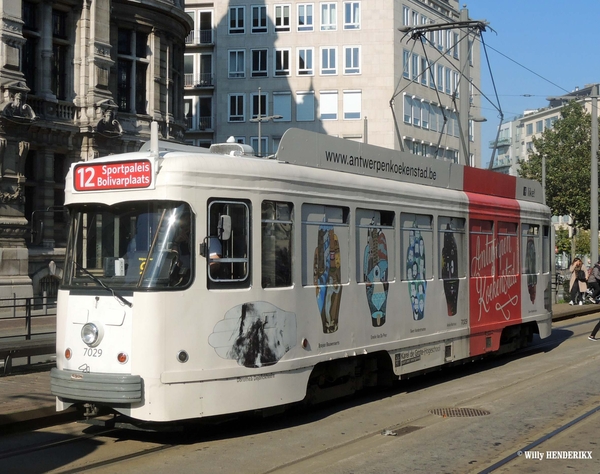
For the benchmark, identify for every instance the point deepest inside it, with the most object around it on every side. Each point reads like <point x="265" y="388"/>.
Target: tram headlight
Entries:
<point x="91" y="334"/>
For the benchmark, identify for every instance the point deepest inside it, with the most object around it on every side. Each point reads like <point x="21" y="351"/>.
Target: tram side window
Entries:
<point x="417" y="246"/>
<point x="276" y="244"/>
<point x="507" y="249"/>
<point x="228" y="242"/>
<point x="481" y="240"/>
<point x="530" y="256"/>
<point x="530" y="251"/>
<point x="325" y="245"/>
<point x="451" y="245"/>
<point x="546" y="249"/>
<point x="375" y="246"/>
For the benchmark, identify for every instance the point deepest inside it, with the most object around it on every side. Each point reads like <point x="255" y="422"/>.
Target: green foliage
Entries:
<point x="582" y="242"/>
<point x="563" y="241"/>
<point x="567" y="148"/>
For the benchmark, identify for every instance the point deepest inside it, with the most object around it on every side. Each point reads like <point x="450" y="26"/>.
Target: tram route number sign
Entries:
<point x="135" y="174"/>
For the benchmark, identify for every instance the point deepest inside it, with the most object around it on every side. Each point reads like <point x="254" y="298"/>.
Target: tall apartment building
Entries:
<point x="255" y="68"/>
<point x="515" y="140"/>
<point x="78" y="79"/>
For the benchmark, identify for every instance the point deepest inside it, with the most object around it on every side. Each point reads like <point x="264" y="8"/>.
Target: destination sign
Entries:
<point x="135" y="174"/>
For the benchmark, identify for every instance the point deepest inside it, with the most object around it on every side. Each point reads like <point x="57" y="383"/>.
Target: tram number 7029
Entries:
<point x="92" y="352"/>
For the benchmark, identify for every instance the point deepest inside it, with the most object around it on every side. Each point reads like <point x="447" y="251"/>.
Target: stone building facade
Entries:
<point x="79" y="79"/>
<point x="254" y="68"/>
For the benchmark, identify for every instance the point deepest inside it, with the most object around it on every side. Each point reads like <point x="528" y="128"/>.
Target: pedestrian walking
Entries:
<point x="593" y="282"/>
<point x="578" y="282"/>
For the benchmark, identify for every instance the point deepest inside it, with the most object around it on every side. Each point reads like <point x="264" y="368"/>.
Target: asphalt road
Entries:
<point x="527" y="403"/>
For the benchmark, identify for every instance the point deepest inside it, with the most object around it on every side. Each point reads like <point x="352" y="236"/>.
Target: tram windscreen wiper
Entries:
<point x="103" y="285"/>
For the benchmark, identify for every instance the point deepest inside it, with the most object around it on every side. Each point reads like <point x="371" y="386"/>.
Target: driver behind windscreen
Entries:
<point x="182" y="245"/>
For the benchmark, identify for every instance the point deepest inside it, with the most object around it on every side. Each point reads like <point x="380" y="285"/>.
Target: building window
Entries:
<point x="529" y="129"/>
<point x="416" y="111"/>
<point x="259" y="19"/>
<point x="539" y="126"/>
<point x="447" y="82"/>
<point x="328" y="17"/>
<point x="263" y="150"/>
<point x="60" y="52"/>
<point x="282" y="105"/>
<point x="305" y="17"/>
<point x="198" y="70"/>
<point x="206" y="27"/>
<point x="352" y="60"/>
<point x="205" y="121"/>
<point x="190" y="38"/>
<point x="188" y="110"/>
<point x="424" y="70"/>
<point x="188" y="70"/>
<point x="352" y="105"/>
<point x="328" y="61"/>
<point x="455" y="42"/>
<point x="29" y="50"/>
<point x="236" y="108"/>
<point x="262" y="108"/>
<point x="282" y="62"/>
<point x="132" y="70"/>
<point x="407" y="109"/>
<point x="305" y="62"/>
<point x="440" y="78"/>
<point x="236" y="20"/>
<point x="237" y="67"/>
<point x="405" y="16"/>
<point x="329" y="105"/>
<point x="425" y="110"/>
<point x="406" y="64"/>
<point x="305" y="106"/>
<point x="259" y="63"/>
<point x="351" y="15"/>
<point x="415" y="67"/>
<point x="282" y="17"/>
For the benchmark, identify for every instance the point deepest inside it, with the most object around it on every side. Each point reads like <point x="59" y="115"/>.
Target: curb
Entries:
<point x="574" y="311"/>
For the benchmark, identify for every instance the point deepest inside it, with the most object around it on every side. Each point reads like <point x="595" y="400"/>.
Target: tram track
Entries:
<point x="506" y="461"/>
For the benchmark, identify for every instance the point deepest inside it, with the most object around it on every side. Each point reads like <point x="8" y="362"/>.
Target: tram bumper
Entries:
<point x="106" y="389"/>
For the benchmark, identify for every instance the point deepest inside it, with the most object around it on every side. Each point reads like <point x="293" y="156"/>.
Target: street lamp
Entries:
<point x="472" y="120"/>
<point x="594" y="167"/>
<point x="260" y="119"/>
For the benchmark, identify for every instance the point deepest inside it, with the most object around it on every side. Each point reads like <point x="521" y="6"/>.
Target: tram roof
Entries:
<point x="319" y="151"/>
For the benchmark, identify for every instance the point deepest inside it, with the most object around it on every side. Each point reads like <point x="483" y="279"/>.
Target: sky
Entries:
<point x="536" y="49"/>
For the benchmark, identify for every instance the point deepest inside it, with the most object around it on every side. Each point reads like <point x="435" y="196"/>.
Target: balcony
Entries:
<point x="203" y="80"/>
<point x="501" y="142"/>
<point x="203" y="123"/>
<point x="202" y="37"/>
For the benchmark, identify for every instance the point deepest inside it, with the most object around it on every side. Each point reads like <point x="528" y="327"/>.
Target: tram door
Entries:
<point x="227" y="244"/>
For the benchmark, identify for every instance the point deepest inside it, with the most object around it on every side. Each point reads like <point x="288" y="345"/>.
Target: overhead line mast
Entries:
<point x="419" y="32"/>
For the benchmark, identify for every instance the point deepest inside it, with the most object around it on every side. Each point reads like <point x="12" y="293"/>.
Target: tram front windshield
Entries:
<point x="141" y="245"/>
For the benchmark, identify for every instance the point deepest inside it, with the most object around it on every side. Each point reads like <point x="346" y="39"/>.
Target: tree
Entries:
<point x="582" y="243"/>
<point x="563" y="241"/>
<point x="567" y="148"/>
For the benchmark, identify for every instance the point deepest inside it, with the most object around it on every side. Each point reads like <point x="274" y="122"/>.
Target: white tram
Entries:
<point x="202" y="283"/>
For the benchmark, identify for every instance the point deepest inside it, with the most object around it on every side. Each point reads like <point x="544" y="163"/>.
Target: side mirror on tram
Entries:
<point x="224" y="227"/>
